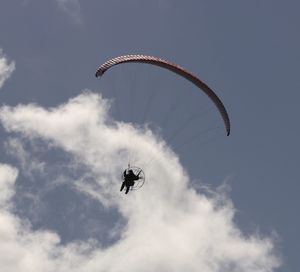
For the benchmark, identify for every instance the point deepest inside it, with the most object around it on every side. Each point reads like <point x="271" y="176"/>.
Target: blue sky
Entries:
<point x="248" y="52"/>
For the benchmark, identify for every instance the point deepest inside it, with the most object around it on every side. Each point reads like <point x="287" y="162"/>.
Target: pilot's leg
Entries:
<point x="122" y="186"/>
<point x="127" y="189"/>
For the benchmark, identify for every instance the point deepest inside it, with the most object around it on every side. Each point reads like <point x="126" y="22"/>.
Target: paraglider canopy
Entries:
<point x="174" y="68"/>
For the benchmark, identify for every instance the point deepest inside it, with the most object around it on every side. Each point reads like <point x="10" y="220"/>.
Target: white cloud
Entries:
<point x="28" y="163"/>
<point x="20" y="249"/>
<point x="7" y="178"/>
<point x="170" y="227"/>
<point x="6" y="68"/>
<point x="72" y="8"/>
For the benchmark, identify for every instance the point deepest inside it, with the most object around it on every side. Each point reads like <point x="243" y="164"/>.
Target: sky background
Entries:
<point x="247" y="51"/>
